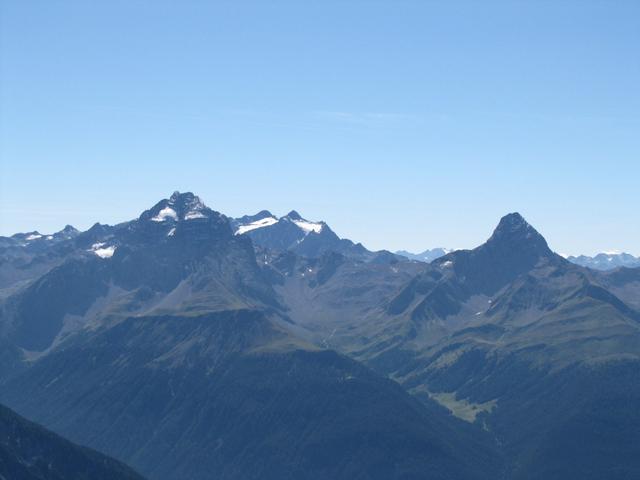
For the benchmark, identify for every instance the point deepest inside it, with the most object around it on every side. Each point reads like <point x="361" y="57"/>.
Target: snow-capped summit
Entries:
<point x="263" y="219"/>
<point x="305" y="225"/>
<point x="305" y="237"/>
<point x="263" y="222"/>
<point x="179" y="218"/>
<point x="165" y="214"/>
<point x="28" y="238"/>
<point x="180" y="206"/>
<point x="193" y="206"/>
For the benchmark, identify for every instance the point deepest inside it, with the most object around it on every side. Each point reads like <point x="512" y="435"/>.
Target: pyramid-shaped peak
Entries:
<point x="512" y="222"/>
<point x="67" y="232"/>
<point x="263" y="214"/>
<point x="514" y="230"/>
<point x="293" y="215"/>
<point x="179" y="206"/>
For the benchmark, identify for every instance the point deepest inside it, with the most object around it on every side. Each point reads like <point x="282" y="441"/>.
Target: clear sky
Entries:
<point x="403" y="124"/>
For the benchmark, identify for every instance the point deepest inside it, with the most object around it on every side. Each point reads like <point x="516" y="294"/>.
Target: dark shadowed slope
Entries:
<point x="29" y="452"/>
<point x="234" y="394"/>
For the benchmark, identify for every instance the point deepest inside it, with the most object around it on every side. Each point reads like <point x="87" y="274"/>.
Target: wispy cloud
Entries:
<point x="365" y="118"/>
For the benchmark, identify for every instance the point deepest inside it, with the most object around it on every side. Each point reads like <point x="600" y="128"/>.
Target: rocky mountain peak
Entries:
<point x="293" y="215"/>
<point x="515" y="233"/>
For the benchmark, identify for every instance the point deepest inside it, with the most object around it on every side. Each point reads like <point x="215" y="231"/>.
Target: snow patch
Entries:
<point x="448" y="263"/>
<point x="103" y="252"/>
<point x="33" y="236"/>
<point x="192" y="215"/>
<point x="166" y="212"/>
<point x="171" y="232"/>
<point x="195" y="206"/>
<point x="263" y="222"/>
<point x="308" y="227"/>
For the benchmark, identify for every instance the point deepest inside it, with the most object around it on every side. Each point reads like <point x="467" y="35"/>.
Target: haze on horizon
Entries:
<point x="404" y="125"/>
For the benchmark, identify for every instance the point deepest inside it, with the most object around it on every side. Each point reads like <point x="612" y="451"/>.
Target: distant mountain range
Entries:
<point x="184" y="342"/>
<point x="427" y="256"/>
<point x="601" y="261"/>
<point x="606" y="261"/>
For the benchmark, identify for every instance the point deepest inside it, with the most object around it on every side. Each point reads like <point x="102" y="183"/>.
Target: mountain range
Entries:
<point x="606" y="261"/>
<point x="295" y="234"/>
<point x="185" y="342"/>
<point x="427" y="256"/>
<point x="601" y="261"/>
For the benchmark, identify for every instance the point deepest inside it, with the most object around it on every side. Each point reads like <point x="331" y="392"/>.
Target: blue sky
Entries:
<point x="403" y="124"/>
